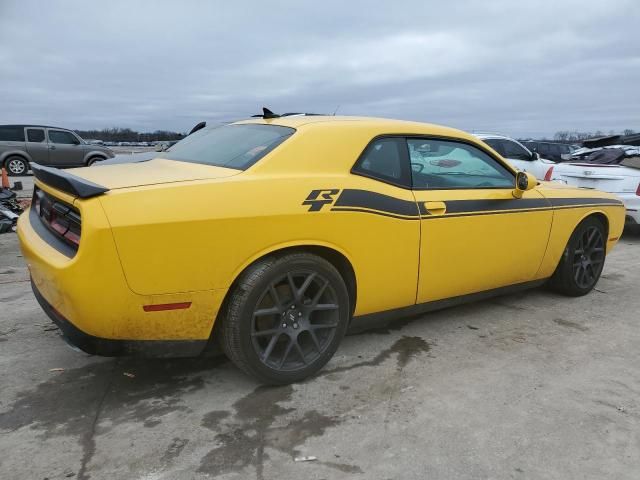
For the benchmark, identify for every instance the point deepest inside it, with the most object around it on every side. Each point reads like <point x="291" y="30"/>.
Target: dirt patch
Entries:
<point x="569" y="324"/>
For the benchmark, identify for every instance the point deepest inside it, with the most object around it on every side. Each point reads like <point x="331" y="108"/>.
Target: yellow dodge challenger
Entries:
<point x="271" y="235"/>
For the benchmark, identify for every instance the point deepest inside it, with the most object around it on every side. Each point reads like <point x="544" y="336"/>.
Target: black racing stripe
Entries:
<point x="478" y="214"/>
<point x="470" y="206"/>
<point x="570" y="202"/>
<point x="377" y="201"/>
<point x="375" y="212"/>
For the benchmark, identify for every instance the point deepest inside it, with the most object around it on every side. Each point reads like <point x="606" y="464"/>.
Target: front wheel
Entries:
<point x="582" y="261"/>
<point x="285" y="318"/>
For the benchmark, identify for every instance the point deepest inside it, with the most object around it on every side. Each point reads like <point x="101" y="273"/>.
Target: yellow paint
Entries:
<point x="173" y="231"/>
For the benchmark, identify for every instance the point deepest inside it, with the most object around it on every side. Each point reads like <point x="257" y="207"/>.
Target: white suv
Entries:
<point x="517" y="154"/>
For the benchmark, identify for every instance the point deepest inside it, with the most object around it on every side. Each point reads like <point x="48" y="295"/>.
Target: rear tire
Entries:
<point x="582" y="260"/>
<point x="16" y="166"/>
<point x="285" y="318"/>
<point x="93" y="160"/>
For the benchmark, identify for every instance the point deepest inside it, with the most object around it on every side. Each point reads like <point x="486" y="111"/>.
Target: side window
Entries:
<point x="443" y="164"/>
<point x="496" y="144"/>
<point x="58" y="136"/>
<point x="385" y="160"/>
<point x="543" y="149"/>
<point x="35" y="135"/>
<point x="515" y="151"/>
<point x="11" y="134"/>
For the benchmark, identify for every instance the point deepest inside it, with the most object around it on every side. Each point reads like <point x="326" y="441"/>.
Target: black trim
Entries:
<point x="115" y="348"/>
<point x="376" y="320"/>
<point x="583" y="202"/>
<point x="353" y="198"/>
<point x="364" y="210"/>
<point x="67" y="182"/>
<point x="365" y="201"/>
<point x="468" y="206"/>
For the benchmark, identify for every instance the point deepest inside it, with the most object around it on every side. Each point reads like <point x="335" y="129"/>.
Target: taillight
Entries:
<point x="638" y="190"/>
<point x="58" y="217"/>
<point x="547" y="176"/>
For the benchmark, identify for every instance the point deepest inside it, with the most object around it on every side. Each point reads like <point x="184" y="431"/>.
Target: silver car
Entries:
<point x="21" y="145"/>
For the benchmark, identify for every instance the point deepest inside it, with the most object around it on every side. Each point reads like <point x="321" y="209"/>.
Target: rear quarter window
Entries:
<point x="11" y="134"/>
<point x="232" y="146"/>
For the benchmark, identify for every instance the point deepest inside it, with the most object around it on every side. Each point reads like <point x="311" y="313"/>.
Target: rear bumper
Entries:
<point x="632" y="204"/>
<point x="115" y="347"/>
<point x="88" y="296"/>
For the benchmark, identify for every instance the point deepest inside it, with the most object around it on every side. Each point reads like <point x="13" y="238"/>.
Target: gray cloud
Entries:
<point x="522" y="69"/>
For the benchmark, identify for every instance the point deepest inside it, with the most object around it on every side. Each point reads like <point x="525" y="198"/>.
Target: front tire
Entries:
<point x="16" y="166"/>
<point x="285" y="318"/>
<point x="582" y="261"/>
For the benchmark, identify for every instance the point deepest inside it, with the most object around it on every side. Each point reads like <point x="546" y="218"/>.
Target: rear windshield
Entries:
<point x="231" y="146"/>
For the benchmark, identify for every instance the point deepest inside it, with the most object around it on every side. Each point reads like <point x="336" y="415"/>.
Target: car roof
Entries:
<point x="382" y="125"/>
<point x="32" y="126"/>
<point x="491" y="135"/>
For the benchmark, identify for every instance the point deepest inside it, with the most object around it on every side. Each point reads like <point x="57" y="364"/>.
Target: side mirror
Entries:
<point x="535" y="156"/>
<point x="524" y="181"/>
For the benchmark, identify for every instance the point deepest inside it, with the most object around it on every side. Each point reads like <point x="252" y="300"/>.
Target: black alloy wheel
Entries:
<point x="583" y="259"/>
<point x="588" y="258"/>
<point x="295" y="320"/>
<point x="285" y="317"/>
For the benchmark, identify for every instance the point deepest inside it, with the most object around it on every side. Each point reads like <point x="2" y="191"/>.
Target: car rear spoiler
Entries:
<point x="67" y="182"/>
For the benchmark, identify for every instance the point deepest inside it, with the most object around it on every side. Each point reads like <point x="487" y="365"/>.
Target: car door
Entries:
<point x="36" y="145"/>
<point x="65" y="149"/>
<point x="380" y="209"/>
<point x="475" y="235"/>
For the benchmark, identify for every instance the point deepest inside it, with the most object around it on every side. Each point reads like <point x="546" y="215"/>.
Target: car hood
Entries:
<point x="150" y="172"/>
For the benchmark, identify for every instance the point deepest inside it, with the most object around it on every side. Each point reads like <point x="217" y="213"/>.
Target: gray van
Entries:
<point x="56" y="147"/>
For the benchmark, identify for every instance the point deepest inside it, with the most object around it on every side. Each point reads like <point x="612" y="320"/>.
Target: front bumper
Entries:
<point x="108" y="347"/>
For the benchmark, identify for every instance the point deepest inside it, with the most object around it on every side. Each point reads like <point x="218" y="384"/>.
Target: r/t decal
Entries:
<point x="319" y="198"/>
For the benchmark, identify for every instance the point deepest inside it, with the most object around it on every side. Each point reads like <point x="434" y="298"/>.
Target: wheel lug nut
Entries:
<point x="299" y="314"/>
<point x="284" y="325"/>
<point x="295" y="325"/>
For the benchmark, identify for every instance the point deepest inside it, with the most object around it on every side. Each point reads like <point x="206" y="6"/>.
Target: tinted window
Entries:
<point x="231" y="146"/>
<point x="35" y="135"/>
<point x="11" y="134"/>
<point x="58" y="136"/>
<point x="543" y="149"/>
<point x="440" y="164"/>
<point x="496" y="144"/>
<point x="515" y="151"/>
<point x="384" y="160"/>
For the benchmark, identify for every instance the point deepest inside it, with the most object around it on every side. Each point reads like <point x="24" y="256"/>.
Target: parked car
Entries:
<point x="558" y="152"/>
<point x="270" y="235"/>
<point x="517" y="154"/>
<point x="621" y="179"/>
<point x="22" y="145"/>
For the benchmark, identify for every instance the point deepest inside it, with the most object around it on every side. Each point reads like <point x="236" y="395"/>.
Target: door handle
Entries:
<point x="435" y="208"/>
<point x="52" y="147"/>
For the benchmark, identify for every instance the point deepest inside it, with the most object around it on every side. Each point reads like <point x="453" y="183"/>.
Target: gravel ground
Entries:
<point x="526" y="386"/>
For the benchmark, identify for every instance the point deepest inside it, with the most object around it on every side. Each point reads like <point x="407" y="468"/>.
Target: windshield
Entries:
<point x="232" y="146"/>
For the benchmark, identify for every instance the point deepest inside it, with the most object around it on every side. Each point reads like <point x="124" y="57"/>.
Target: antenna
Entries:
<point x="336" y="110"/>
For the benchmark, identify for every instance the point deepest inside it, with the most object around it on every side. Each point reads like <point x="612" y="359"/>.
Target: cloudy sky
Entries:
<point x="517" y="67"/>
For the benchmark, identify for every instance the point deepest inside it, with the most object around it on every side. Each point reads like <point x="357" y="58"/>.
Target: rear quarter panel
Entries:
<point x="200" y="235"/>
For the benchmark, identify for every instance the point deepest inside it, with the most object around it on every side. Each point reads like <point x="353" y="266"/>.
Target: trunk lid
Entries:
<point x="152" y="172"/>
<point x="609" y="178"/>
